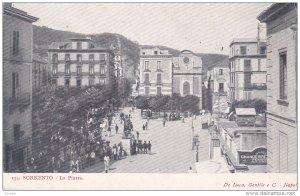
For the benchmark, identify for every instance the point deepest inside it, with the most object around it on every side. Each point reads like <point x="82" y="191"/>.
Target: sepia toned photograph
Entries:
<point x="94" y="90"/>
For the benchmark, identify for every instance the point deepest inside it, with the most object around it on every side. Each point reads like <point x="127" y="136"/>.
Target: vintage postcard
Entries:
<point x="150" y="96"/>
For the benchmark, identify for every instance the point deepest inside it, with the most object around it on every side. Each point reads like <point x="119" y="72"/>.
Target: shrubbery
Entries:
<point x="175" y="102"/>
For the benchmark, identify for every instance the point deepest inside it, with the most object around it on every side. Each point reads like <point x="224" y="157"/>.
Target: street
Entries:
<point x="171" y="147"/>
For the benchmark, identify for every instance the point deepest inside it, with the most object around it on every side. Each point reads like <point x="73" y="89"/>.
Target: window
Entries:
<point x="78" y="70"/>
<point x="283" y="75"/>
<point x="67" y="57"/>
<point x="67" y="82"/>
<point x="147" y="78"/>
<point x="220" y="71"/>
<point x="247" y="65"/>
<point x="54" y="82"/>
<point x="91" y="70"/>
<point x="102" y="70"/>
<point x="54" y="58"/>
<point x="247" y="95"/>
<point x="15" y="85"/>
<point x="79" y="58"/>
<point x="159" y="91"/>
<point x="102" y="57"/>
<point x="79" y="45"/>
<point x="247" y="79"/>
<point x="91" y="82"/>
<point x="221" y="87"/>
<point x="159" y="78"/>
<point x="102" y="81"/>
<point x="17" y="132"/>
<point x="16" y="42"/>
<point x="263" y="50"/>
<point x="147" y="90"/>
<point x="91" y="58"/>
<point x="258" y="65"/>
<point x="78" y="83"/>
<point x="67" y="69"/>
<point x="146" y="64"/>
<point x="155" y="52"/>
<point x="158" y="64"/>
<point x="243" y="49"/>
<point x="54" y="69"/>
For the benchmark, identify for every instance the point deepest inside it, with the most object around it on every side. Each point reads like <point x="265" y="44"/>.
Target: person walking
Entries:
<point x="146" y="126"/>
<point x="106" y="162"/>
<point x="115" y="152"/>
<point x="117" y="129"/>
<point x="137" y="135"/>
<point x="109" y="131"/>
<point x="164" y="122"/>
<point x="149" y="147"/>
<point x="145" y="146"/>
<point x="92" y="158"/>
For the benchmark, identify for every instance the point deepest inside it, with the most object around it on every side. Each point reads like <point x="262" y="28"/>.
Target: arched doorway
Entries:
<point x="186" y="88"/>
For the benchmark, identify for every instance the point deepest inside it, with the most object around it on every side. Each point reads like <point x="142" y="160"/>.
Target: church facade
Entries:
<point x="162" y="73"/>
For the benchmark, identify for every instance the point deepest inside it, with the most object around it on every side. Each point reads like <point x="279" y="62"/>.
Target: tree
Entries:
<point x="157" y="103"/>
<point x="142" y="102"/>
<point x="190" y="103"/>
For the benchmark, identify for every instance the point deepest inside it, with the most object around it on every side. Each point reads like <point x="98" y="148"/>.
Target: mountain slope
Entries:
<point x="44" y="36"/>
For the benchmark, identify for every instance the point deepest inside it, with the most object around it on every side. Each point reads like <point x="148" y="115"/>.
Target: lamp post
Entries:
<point x="193" y="140"/>
<point x="197" y="143"/>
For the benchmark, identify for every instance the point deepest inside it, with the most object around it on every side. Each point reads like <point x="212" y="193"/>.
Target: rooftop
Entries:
<point x="245" y="111"/>
<point x="8" y="9"/>
<point x="246" y="40"/>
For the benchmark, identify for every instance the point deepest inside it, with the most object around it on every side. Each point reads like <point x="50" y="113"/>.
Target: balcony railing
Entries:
<point x="256" y="86"/>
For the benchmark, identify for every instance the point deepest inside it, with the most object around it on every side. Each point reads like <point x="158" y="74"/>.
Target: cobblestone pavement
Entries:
<point x="171" y="147"/>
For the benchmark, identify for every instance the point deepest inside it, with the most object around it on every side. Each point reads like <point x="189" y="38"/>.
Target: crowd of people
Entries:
<point x="72" y="149"/>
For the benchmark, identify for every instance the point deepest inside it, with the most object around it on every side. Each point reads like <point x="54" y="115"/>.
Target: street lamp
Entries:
<point x="197" y="143"/>
<point x="193" y="140"/>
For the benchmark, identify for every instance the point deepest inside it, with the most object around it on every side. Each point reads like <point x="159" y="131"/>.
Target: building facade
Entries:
<point x="155" y="72"/>
<point x="218" y="76"/>
<point x="281" y="20"/>
<point x="187" y="74"/>
<point x="162" y="73"/>
<point x="79" y="62"/>
<point x="40" y="72"/>
<point x="247" y="64"/>
<point x="17" y="88"/>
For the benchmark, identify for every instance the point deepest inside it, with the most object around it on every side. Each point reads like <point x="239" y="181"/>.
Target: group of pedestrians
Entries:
<point x="141" y="148"/>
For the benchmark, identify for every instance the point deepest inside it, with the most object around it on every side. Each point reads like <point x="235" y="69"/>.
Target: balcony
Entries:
<point x="21" y="101"/>
<point x="147" y="82"/>
<point x="256" y="86"/>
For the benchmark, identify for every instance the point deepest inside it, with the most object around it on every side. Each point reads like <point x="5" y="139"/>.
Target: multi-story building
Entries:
<point x="247" y="63"/>
<point x="187" y="74"/>
<point x="79" y="62"/>
<point x="162" y="73"/>
<point x="281" y="20"/>
<point x="17" y="87"/>
<point x="218" y="76"/>
<point x="40" y="72"/>
<point x="155" y="72"/>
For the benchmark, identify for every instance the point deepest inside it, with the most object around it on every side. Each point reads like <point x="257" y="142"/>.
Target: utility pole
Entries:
<point x="193" y="140"/>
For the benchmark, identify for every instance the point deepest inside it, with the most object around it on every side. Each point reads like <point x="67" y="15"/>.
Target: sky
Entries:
<point x="200" y="27"/>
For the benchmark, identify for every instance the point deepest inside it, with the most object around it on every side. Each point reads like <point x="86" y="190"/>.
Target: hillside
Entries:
<point x="44" y="36"/>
